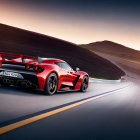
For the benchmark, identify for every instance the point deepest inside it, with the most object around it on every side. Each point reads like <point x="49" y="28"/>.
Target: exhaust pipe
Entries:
<point x="8" y="81"/>
<point x="5" y="81"/>
<point x="11" y="82"/>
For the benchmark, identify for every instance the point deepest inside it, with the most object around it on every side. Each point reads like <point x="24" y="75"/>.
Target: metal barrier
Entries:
<point x="103" y="80"/>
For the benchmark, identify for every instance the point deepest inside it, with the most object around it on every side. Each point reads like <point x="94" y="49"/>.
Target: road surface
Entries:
<point x="105" y="111"/>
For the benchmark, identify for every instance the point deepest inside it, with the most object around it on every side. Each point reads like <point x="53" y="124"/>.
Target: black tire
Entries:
<point x="51" y="84"/>
<point x="84" y="84"/>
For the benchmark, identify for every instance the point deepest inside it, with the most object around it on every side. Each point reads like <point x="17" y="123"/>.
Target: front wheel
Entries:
<point x="51" y="84"/>
<point x="84" y="84"/>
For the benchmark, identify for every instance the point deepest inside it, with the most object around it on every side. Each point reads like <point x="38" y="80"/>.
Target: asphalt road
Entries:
<point x="112" y="113"/>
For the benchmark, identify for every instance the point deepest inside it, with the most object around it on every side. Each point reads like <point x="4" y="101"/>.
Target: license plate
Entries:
<point x="11" y="74"/>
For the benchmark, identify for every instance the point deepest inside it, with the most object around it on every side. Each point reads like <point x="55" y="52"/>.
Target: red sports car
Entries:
<point x="48" y="74"/>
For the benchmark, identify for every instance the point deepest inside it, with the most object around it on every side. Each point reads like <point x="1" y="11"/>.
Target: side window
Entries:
<point x="64" y="66"/>
<point x="58" y="63"/>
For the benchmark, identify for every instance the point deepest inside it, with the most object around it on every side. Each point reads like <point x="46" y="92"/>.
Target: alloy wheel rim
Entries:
<point x="85" y="84"/>
<point x="52" y="84"/>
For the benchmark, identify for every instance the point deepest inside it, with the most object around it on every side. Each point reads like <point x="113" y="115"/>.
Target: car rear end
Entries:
<point x="19" y="73"/>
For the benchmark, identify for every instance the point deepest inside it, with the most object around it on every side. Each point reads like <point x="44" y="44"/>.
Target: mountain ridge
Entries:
<point x="113" y="49"/>
<point x="16" y="40"/>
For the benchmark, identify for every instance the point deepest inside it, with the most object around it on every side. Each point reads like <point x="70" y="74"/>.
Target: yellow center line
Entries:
<point x="18" y="124"/>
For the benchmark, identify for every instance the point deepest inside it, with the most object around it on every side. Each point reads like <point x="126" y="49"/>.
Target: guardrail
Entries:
<point x="104" y="81"/>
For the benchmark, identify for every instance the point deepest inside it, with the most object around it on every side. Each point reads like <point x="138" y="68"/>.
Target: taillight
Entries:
<point x="35" y="68"/>
<point x="27" y="67"/>
<point x="0" y="64"/>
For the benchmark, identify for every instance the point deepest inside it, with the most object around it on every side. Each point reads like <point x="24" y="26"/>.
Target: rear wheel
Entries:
<point x="84" y="84"/>
<point x="51" y="84"/>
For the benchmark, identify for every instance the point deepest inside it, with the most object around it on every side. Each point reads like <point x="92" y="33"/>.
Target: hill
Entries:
<point x="114" y="49"/>
<point x="24" y="42"/>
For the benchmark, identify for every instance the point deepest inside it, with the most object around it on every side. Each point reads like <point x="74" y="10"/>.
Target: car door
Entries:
<point x="72" y="76"/>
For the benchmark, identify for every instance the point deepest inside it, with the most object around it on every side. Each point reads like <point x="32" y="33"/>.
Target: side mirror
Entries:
<point x="77" y="69"/>
<point x="39" y="59"/>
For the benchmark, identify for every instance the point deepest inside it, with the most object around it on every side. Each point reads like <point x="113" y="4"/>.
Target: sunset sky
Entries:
<point x="77" y="21"/>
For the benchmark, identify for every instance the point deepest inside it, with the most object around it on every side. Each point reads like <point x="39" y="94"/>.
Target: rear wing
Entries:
<point x="23" y="57"/>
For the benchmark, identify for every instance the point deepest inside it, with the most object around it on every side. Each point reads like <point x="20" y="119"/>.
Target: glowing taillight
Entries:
<point x="0" y="58"/>
<point x="35" y="68"/>
<point x="27" y="67"/>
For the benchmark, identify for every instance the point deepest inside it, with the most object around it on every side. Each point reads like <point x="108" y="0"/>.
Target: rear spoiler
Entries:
<point x="23" y="57"/>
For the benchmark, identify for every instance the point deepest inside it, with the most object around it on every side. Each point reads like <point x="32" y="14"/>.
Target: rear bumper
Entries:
<point x="25" y="79"/>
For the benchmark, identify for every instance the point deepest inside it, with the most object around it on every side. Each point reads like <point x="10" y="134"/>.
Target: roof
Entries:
<point x="51" y="60"/>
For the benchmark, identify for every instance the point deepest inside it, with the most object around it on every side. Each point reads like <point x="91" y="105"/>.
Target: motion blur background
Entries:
<point x="77" y="21"/>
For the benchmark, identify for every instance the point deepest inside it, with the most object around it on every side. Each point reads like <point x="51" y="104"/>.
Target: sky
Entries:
<point x="77" y="21"/>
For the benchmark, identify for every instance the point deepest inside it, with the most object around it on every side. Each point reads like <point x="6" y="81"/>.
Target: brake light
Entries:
<point x="35" y="68"/>
<point x="3" y="59"/>
<point x="27" y="67"/>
